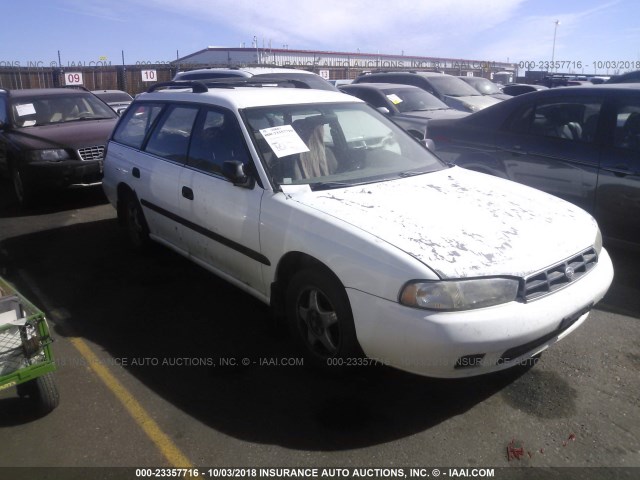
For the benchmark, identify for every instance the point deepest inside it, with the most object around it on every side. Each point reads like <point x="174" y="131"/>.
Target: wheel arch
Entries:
<point x="123" y="191"/>
<point x="288" y="265"/>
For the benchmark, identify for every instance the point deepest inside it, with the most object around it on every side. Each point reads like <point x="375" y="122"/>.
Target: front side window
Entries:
<point x="334" y="145"/>
<point x="627" y="128"/>
<point x="170" y="138"/>
<point x="216" y="138"/>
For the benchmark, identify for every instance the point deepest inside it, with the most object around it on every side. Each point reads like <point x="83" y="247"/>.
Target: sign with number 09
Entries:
<point x="73" y="78"/>
<point x="149" y="76"/>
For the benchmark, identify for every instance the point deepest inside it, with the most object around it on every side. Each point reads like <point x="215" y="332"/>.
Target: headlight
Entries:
<point x="460" y="294"/>
<point x="597" y="244"/>
<point x="50" y="155"/>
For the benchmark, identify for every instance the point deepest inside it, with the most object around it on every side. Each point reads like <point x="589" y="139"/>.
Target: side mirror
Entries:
<point x="384" y="110"/>
<point x="430" y="144"/>
<point x="120" y="111"/>
<point x="234" y="170"/>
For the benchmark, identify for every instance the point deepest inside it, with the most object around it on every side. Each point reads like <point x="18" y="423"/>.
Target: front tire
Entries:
<point x="320" y="318"/>
<point x="21" y="187"/>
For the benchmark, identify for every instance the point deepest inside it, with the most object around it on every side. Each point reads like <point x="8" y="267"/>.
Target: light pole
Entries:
<point x="553" y="51"/>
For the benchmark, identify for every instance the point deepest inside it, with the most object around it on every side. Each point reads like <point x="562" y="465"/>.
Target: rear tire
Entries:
<point x="135" y="223"/>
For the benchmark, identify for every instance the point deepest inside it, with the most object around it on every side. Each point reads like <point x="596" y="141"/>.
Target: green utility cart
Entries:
<point x="26" y="358"/>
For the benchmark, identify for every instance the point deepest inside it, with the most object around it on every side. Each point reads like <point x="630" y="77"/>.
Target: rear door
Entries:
<point x="156" y="171"/>
<point x="618" y="195"/>
<point x="552" y="144"/>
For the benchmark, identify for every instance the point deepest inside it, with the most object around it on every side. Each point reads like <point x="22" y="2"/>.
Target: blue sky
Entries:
<point x="158" y="30"/>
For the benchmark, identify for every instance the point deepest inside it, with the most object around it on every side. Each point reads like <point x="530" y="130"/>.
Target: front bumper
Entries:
<point x="66" y="173"/>
<point x="474" y="342"/>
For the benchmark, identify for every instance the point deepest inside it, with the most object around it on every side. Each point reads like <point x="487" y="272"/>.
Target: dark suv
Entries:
<point x="52" y="138"/>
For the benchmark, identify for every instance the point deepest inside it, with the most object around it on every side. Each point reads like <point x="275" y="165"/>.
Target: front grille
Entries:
<point x="91" y="153"/>
<point x="559" y="276"/>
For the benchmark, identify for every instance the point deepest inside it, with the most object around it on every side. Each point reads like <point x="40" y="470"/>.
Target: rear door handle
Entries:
<point x="187" y="193"/>
<point x="135" y="171"/>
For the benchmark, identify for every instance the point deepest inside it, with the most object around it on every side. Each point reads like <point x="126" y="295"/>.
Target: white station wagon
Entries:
<point x="368" y="244"/>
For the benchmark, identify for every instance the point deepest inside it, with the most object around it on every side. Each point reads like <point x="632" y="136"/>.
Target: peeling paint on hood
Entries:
<point x="462" y="223"/>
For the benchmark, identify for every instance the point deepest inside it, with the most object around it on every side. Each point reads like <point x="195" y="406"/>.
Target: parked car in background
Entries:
<point x="52" y="138"/>
<point x="515" y="89"/>
<point x="451" y="90"/>
<point x="581" y="144"/>
<point x="629" y="77"/>
<point x="352" y="230"/>
<point x="339" y="83"/>
<point x="408" y="106"/>
<point x="118" y="100"/>
<point x="485" y="87"/>
<point x="303" y="78"/>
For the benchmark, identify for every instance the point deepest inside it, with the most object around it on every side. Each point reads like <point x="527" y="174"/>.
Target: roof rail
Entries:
<point x="201" y="86"/>
<point x="77" y="87"/>
<point x="197" y="87"/>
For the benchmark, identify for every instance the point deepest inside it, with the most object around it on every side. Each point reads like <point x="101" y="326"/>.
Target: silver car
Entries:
<point x="451" y="90"/>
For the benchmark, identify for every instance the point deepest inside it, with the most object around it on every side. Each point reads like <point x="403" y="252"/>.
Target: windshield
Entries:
<point x="452" y="86"/>
<point x="484" y="86"/>
<point x="334" y="145"/>
<point x="413" y="99"/>
<point x="45" y="110"/>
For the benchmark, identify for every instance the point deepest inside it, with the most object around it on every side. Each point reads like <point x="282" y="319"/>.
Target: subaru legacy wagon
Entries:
<point x="365" y="242"/>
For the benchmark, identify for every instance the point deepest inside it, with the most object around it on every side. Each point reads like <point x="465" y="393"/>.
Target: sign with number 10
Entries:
<point x="149" y="76"/>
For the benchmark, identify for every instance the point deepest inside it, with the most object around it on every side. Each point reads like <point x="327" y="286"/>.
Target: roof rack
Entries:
<point x="202" y="86"/>
<point x="198" y="87"/>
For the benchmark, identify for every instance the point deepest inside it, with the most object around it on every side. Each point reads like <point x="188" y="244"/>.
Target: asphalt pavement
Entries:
<point x="162" y="364"/>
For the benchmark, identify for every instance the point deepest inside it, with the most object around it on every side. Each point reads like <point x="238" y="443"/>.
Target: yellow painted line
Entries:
<point x="170" y="451"/>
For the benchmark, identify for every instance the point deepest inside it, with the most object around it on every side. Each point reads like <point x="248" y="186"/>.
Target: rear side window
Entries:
<point x="170" y="138"/>
<point x="566" y="118"/>
<point x="133" y="128"/>
<point x="627" y="127"/>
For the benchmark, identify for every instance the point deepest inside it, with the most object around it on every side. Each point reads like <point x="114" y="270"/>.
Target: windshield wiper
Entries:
<point x="413" y="173"/>
<point x="330" y="185"/>
<point x="80" y="119"/>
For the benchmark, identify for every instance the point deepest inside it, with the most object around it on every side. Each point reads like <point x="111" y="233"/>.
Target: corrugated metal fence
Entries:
<point x="127" y="78"/>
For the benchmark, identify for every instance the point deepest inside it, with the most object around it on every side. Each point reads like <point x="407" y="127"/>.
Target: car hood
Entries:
<point x="462" y="223"/>
<point x="83" y="133"/>
<point x="479" y="101"/>
<point x="500" y="96"/>
<point x="429" y="114"/>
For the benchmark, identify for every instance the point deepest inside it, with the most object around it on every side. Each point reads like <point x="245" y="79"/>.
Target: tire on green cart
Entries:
<point x="42" y="391"/>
